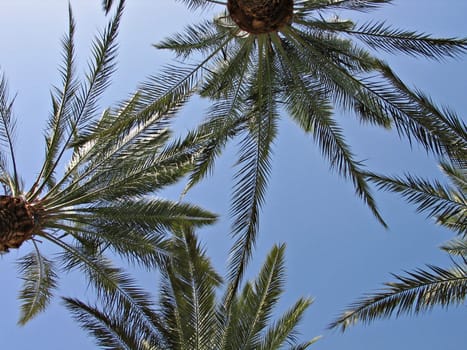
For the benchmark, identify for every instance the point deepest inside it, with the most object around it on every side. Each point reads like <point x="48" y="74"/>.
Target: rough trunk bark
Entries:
<point x="16" y="222"/>
<point x="260" y="16"/>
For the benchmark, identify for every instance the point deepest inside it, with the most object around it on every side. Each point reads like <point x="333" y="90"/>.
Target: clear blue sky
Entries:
<point x="336" y="250"/>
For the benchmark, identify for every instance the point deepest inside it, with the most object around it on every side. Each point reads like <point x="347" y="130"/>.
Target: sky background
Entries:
<point x="336" y="250"/>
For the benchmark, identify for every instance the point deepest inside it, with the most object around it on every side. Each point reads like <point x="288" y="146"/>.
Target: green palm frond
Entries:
<point x="282" y="331"/>
<point x="105" y="201"/>
<point x="315" y="66"/>
<point x="62" y="100"/>
<point x="189" y="316"/>
<point x="115" y="288"/>
<point x="417" y="292"/>
<point x="456" y="247"/>
<point x="363" y="5"/>
<point x="202" y="4"/>
<point x="40" y="279"/>
<point x="79" y="100"/>
<point x="421" y="289"/>
<point x="187" y="293"/>
<point x="447" y="204"/>
<point x="7" y="132"/>
<point x="109" y="333"/>
<point x="201" y="38"/>
<point x="254" y="168"/>
<point x="378" y="35"/>
<point x="313" y="114"/>
<point x="257" y="300"/>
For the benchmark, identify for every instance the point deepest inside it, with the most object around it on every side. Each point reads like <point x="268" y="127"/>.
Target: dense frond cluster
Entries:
<point x="312" y="66"/>
<point x="188" y="314"/>
<point x="106" y="198"/>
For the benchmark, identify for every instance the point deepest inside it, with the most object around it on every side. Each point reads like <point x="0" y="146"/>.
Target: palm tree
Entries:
<point x="261" y="59"/>
<point x="188" y="316"/>
<point x="422" y="289"/>
<point x="104" y="200"/>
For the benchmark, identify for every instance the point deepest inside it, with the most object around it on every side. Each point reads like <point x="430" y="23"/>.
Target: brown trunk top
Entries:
<point x="260" y="16"/>
<point x="16" y="222"/>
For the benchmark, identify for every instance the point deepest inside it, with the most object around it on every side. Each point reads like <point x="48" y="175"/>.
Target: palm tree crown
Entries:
<point x="105" y="197"/>
<point x="259" y="61"/>
<point x="188" y="316"/>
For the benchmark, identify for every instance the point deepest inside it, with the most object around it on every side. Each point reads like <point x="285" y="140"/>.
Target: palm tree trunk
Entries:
<point x="260" y="16"/>
<point x="16" y="222"/>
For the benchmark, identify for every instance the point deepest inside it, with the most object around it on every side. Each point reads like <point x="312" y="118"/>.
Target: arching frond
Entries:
<point x="110" y="333"/>
<point x="446" y="204"/>
<point x="254" y="167"/>
<point x="257" y="300"/>
<point x="310" y="108"/>
<point x="7" y="132"/>
<point x="40" y="279"/>
<point x="62" y="100"/>
<point x="456" y="247"/>
<point x="283" y="330"/>
<point x="417" y="292"/>
<point x="378" y="35"/>
<point x="113" y="287"/>
<point x="202" y="37"/>
<point x="202" y="4"/>
<point x="188" y="315"/>
<point x="81" y="101"/>
<point x="360" y="5"/>
<point x="188" y="293"/>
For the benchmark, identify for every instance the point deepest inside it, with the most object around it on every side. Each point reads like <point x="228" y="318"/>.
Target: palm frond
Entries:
<point x="313" y="114"/>
<point x="304" y="346"/>
<point x="188" y="291"/>
<point x="202" y="37"/>
<point x="40" y="279"/>
<point x="456" y="247"/>
<point x="7" y="130"/>
<point x="113" y="287"/>
<point x="451" y="129"/>
<point x="254" y="167"/>
<point x="107" y="5"/>
<point x="61" y="101"/>
<point x="226" y="117"/>
<point x="437" y="200"/>
<point x="84" y="103"/>
<point x="415" y="115"/>
<point x="151" y="213"/>
<point x="378" y="35"/>
<point x="109" y="330"/>
<point x="200" y="4"/>
<point x="257" y="300"/>
<point x="360" y="5"/>
<point x="284" y="330"/>
<point x="417" y="292"/>
<point x="188" y="315"/>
